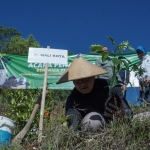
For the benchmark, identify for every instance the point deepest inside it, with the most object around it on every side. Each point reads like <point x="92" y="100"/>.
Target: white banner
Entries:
<point x="45" y="55"/>
<point x="133" y="80"/>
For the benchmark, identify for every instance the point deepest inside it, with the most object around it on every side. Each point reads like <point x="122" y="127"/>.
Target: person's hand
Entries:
<point x="123" y="88"/>
<point x="113" y="111"/>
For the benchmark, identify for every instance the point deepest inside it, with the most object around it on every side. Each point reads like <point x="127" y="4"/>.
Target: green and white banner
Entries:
<point x="16" y="72"/>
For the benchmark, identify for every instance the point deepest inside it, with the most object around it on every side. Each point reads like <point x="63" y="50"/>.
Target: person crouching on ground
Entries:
<point x="86" y="103"/>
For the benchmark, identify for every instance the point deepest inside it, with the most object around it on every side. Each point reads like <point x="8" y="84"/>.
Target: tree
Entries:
<point x="70" y="53"/>
<point x="19" y="45"/>
<point x="5" y="35"/>
<point x="11" y="42"/>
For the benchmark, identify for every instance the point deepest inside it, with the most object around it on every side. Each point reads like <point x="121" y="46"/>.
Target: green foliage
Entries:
<point x="96" y="48"/>
<point x="70" y="53"/>
<point x="123" y="46"/>
<point x="19" y="105"/>
<point x="60" y="95"/>
<point x="19" y="45"/>
<point x="112" y="40"/>
<point x="5" y="35"/>
<point x="119" y="62"/>
<point x="138" y="70"/>
<point x="11" y="42"/>
<point x="63" y="119"/>
<point x="104" y="56"/>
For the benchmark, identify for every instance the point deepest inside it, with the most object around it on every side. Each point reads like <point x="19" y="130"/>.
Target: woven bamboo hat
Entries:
<point x="79" y="69"/>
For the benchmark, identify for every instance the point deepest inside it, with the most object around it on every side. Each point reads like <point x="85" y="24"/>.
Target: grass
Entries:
<point x="131" y="135"/>
<point x="116" y="136"/>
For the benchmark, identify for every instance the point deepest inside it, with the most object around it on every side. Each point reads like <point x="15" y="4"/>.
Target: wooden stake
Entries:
<point x="43" y="103"/>
<point x="18" y="138"/>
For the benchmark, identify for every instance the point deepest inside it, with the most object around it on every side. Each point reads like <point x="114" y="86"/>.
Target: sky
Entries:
<point x="74" y="25"/>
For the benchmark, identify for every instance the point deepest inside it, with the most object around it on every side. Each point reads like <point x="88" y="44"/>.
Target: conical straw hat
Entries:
<point x="79" y="69"/>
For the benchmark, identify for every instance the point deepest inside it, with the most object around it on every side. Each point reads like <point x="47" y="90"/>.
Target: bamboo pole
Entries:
<point x="43" y="103"/>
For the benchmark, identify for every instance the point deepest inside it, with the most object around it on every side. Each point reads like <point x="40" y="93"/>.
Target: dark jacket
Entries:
<point x="95" y="100"/>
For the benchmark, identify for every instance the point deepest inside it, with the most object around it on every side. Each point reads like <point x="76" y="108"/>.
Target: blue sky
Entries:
<point x="76" y="24"/>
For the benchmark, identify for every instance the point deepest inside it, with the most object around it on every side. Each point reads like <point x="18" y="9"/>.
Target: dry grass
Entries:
<point x="116" y="136"/>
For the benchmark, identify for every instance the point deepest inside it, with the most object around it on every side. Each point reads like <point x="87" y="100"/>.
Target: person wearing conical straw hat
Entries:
<point x="86" y="103"/>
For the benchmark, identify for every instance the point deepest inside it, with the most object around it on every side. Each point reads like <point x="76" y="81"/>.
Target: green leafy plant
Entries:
<point x="19" y="45"/>
<point x="64" y="119"/>
<point x="5" y="35"/>
<point x="119" y="62"/>
<point x="20" y="104"/>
